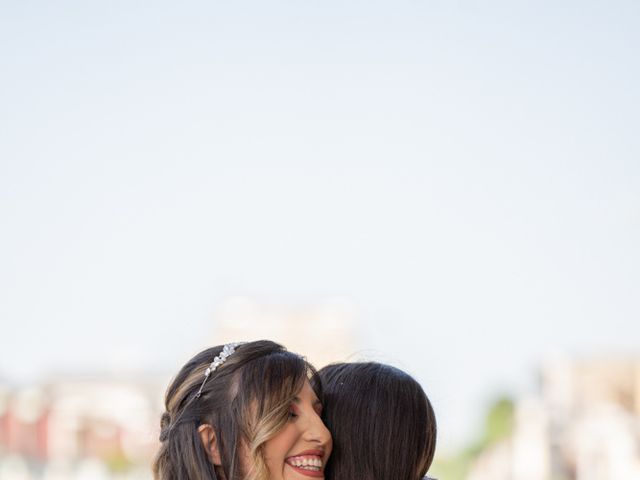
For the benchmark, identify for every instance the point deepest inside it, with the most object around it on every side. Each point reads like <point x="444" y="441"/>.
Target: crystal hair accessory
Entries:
<point x="226" y="352"/>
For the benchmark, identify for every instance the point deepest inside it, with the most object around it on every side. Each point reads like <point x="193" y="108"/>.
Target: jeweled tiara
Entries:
<point x="226" y="352"/>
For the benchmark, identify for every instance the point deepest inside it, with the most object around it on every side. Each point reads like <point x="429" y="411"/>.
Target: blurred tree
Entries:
<point x="498" y="425"/>
<point x="117" y="462"/>
<point x="499" y="421"/>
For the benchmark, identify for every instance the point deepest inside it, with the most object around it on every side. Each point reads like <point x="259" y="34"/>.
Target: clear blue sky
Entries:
<point x="468" y="173"/>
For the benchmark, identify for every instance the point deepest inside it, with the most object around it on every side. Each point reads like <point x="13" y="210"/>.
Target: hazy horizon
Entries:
<point x="466" y="175"/>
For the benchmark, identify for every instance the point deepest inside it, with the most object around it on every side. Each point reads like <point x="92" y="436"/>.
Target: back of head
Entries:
<point x="382" y="423"/>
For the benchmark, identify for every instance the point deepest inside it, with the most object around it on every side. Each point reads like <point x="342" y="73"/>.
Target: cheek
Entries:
<point x="279" y="447"/>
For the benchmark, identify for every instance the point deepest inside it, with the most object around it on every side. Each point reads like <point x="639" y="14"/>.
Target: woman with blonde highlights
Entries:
<point x="243" y="412"/>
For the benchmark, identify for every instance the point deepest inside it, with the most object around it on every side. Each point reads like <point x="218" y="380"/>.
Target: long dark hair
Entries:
<point x="245" y="400"/>
<point x="382" y="423"/>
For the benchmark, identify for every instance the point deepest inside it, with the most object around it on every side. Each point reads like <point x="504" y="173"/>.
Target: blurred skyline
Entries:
<point x="466" y="175"/>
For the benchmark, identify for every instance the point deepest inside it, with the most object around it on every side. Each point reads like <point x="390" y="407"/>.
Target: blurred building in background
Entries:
<point x="322" y="332"/>
<point x="92" y="428"/>
<point x="584" y="425"/>
<point x="106" y="427"/>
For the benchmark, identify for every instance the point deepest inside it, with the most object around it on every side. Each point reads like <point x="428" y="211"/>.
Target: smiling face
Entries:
<point x="300" y="450"/>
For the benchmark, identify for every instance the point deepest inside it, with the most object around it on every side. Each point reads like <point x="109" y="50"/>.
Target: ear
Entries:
<point x="210" y="442"/>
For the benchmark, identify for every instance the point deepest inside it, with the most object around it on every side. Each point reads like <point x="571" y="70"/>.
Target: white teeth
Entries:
<point x="307" y="463"/>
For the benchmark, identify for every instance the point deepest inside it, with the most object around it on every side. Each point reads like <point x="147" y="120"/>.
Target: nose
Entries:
<point x="317" y="432"/>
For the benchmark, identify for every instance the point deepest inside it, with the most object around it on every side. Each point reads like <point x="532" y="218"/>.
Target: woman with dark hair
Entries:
<point x="382" y="423"/>
<point x="243" y="412"/>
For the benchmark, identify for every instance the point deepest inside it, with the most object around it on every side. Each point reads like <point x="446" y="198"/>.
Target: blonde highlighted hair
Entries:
<point x="246" y="401"/>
